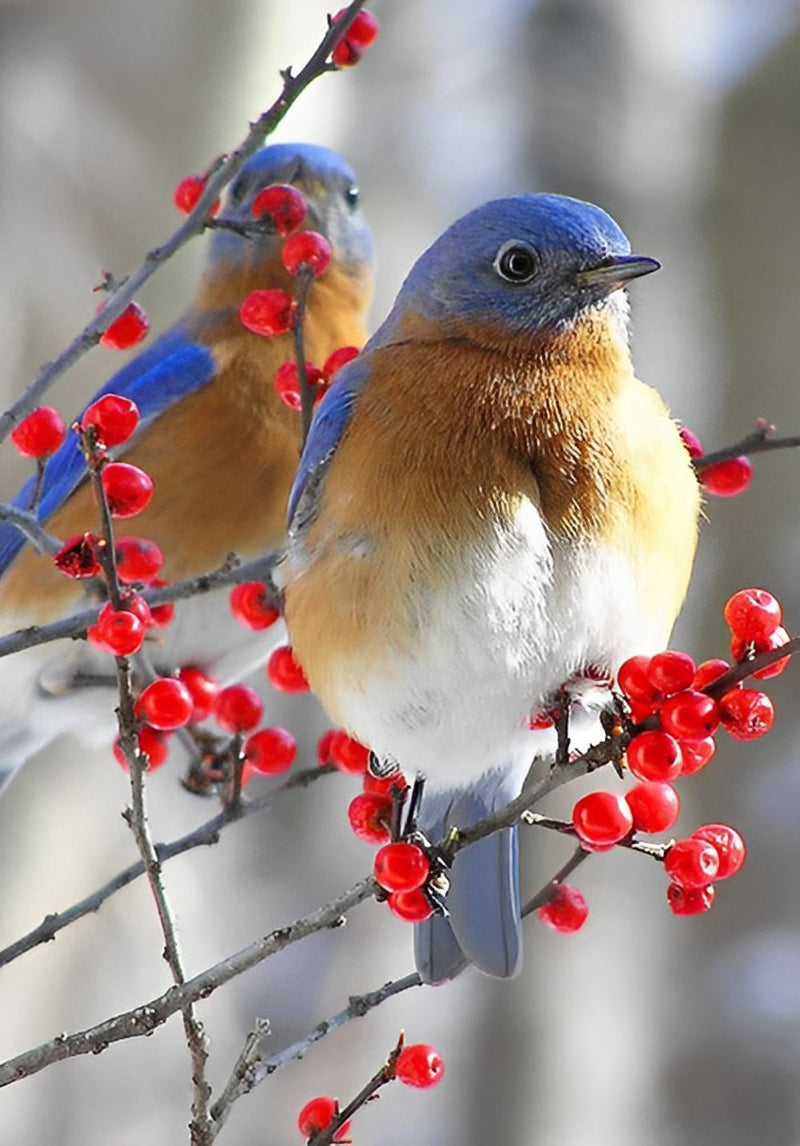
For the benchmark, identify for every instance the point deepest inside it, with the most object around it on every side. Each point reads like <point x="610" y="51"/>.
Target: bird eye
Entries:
<point x="516" y="262"/>
<point x="351" y="195"/>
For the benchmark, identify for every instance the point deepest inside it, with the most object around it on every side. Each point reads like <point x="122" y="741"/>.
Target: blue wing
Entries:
<point x="171" y="368"/>
<point x="330" y="422"/>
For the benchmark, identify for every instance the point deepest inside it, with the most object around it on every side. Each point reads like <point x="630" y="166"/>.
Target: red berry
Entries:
<point x="419" y="1065"/>
<point x="138" y="559"/>
<point x="113" y="417"/>
<point x="401" y="867"/>
<point x="283" y="671"/>
<point x="338" y="359"/>
<point x="364" y="28"/>
<point x="137" y="605"/>
<point x="695" y="754"/>
<point x="306" y="249"/>
<point x="746" y="713"/>
<point x="654" y="755"/>
<point x="284" y="204"/>
<point x="634" y="681"/>
<point x="202" y="689"/>
<point x="753" y="614"/>
<point x="131" y="327"/>
<point x="238" y="708"/>
<point x="384" y="785"/>
<point x="729" y="844"/>
<point x="116" y="631"/>
<point x="347" y="754"/>
<point x="671" y="671"/>
<point x="162" y="614"/>
<point x="287" y="382"/>
<point x="187" y="194"/>
<point x="347" y="53"/>
<point x="153" y="744"/>
<point x="268" y="312"/>
<point x="370" y="815"/>
<point x="165" y="703"/>
<point x="691" y="441"/>
<point x="567" y="910"/>
<point x="271" y="750"/>
<point x="692" y="863"/>
<point x="318" y="1114"/>
<point x="690" y="715"/>
<point x="743" y="650"/>
<point x="655" y="806"/>
<point x="40" y="433"/>
<point x="727" y="479"/>
<point x="707" y="672"/>
<point x="410" y="906"/>
<point x="689" y="900"/>
<point x="127" y="488"/>
<point x="324" y="747"/>
<point x="78" y="556"/>
<point x="251" y="607"/>
<point x="602" y="818"/>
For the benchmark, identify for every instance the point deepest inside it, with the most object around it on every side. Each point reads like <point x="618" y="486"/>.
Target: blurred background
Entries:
<point x="681" y="118"/>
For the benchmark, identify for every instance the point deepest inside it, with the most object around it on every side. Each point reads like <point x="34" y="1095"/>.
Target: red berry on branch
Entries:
<point x="671" y="671"/>
<point x="202" y="689"/>
<point x="187" y="194"/>
<point x="116" y="631"/>
<point x="40" y="433"/>
<point x="347" y="53"/>
<point x="691" y="441"/>
<point x="128" y="489"/>
<point x="634" y="681"/>
<point x="152" y="743"/>
<point x="743" y="650"/>
<point x="695" y="754"/>
<point x="162" y="615"/>
<point x="419" y="1065"/>
<point x="602" y="818"/>
<point x="410" y="906"/>
<point x="285" y="673"/>
<point x="287" y="382"/>
<point x="364" y="28"/>
<point x="138" y="559"/>
<point x="384" y="785"/>
<point x="165" y="703"/>
<point x="729" y="844"/>
<point x="79" y="556"/>
<point x="270" y="751"/>
<point x="690" y="715"/>
<point x="689" y="900"/>
<point x="727" y="479"/>
<point x="746" y="713"/>
<point x="318" y="1114"/>
<point x="284" y="204"/>
<point x="370" y="815"/>
<point x="268" y="312"/>
<point x="338" y="359"/>
<point x="251" y="606"/>
<point x="114" y="418"/>
<point x="137" y="605"/>
<point x="324" y="747"/>
<point x="401" y="867"/>
<point x="238" y="708"/>
<point x="131" y="327"/>
<point x="654" y="755"/>
<point x="567" y="911"/>
<point x="753" y="614"/>
<point x="347" y="754"/>
<point x="654" y="805"/>
<point x="707" y="672"/>
<point x="306" y="249"/>
<point x="692" y="863"/>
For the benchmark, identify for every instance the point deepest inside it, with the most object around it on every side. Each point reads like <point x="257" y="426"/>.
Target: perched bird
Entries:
<point x="489" y="506"/>
<point x="218" y="442"/>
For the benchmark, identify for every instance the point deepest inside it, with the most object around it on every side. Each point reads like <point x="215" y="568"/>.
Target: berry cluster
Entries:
<point x="287" y="381"/>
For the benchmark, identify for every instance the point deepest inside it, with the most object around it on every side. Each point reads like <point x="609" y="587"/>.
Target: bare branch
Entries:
<point x="758" y="441"/>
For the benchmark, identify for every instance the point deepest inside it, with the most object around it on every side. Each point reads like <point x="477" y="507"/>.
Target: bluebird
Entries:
<point x="491" y="506"/>
<point x="220" y="445"/>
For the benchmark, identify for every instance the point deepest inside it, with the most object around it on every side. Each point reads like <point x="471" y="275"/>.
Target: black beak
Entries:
<point x="616" y="271"/>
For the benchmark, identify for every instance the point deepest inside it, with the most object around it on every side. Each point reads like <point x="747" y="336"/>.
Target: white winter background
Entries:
<point x="681" y="118"/>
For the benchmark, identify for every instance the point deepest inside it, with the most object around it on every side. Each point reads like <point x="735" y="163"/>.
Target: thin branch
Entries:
<point x="548" y="892"/>
<point x="29" y="525"/>
<point x="304" y="280"/>
<point x="143" y="1020"/>
<point x="385" y="1074"/>
<point x="205" y="835"/>
<point x="195" y="222"/>
<point x="758" y="441"/>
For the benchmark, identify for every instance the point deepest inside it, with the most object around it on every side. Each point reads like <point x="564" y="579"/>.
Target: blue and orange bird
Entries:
<point x="220" y="445"/>
<point x="491" y="506"/>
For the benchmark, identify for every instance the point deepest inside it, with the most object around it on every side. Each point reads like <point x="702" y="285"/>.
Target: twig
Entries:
<point x="29" y="525"/>
<point x="547" y="893"/>
<point x="632" y="843"/>
<point x="758" y="441"/>
<point x="304" y="280"/>
<point x="143" y="1020"/>
<point x="386" y="1073"/>
<point x="194" y="224"/>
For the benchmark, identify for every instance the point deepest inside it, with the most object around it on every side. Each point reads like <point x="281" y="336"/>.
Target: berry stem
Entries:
<point x="565" y="828"/>
<point x="548" y="892"/>
<point x="758" y="441"/>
